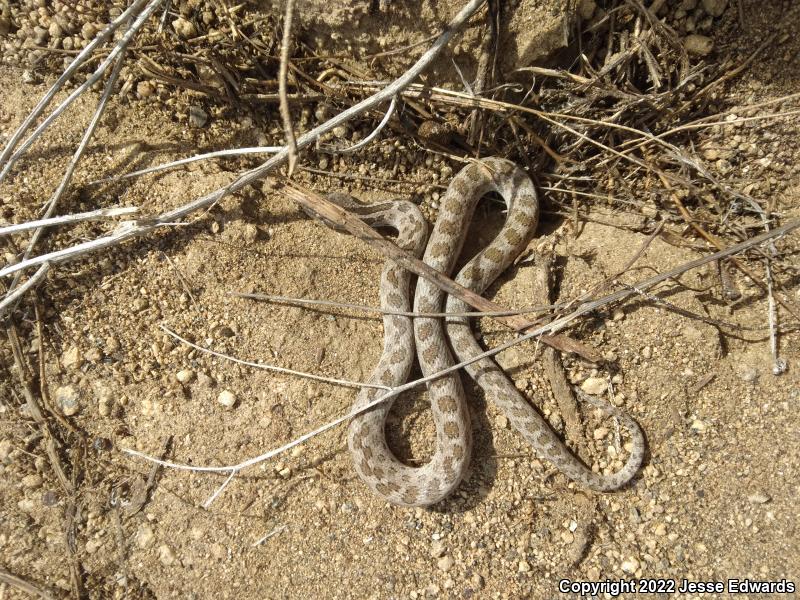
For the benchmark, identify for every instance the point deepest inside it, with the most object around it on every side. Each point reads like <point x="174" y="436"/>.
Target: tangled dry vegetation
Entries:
<point x="620" y="129"/>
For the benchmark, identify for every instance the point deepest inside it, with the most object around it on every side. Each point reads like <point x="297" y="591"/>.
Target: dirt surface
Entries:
<point x="716" y="499"/>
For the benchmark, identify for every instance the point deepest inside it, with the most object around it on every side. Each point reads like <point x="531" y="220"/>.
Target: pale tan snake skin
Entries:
<point x="375" y="463"/>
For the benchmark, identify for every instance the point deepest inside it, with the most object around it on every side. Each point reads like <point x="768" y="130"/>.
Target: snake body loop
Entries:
<point x="374" y="461"/>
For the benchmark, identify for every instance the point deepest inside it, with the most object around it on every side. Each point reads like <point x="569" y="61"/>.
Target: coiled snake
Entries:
<point x="374" y="461"/>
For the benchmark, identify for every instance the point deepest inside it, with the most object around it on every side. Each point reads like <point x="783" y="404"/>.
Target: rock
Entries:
<point x="699" y="426"/>
<point x="594" y="386"/>
<point x="166" y="555"/>
<point x="437" y="549"/>
<point x="445" y="563"/>
<point x="523" y="566"/>
<point x="94" y="355"/>
<point x="64" y="24"/>
<point x="618" y="315"/>
<point x="55" y="30"/>
<point x="112" y="345"/>
<point x="144" y="537"/>
<point x="40" y="35"/>
<point x="227" y="399"/>
<point x="223" y="331"/>
<point x="698" y="45"/>
<point x="512" y="359"/>
<point x="68" y="398"/>
<point x="140" y="304"/>
<point x="759" y="498"/>
<point x="197" y="117"/>
<point x="32" y="481"/>
<point x="88" y="31"/>
<point x="647" y="352"/>
<point x="600" y="433"/>
<point x="72" y="358"/>
<point x="5" y="450"/>
<point x="145" y="89"/>
<point x="746" y="373"/>
<point x="185" y="375"/>
<point x="184" y="28"/>
<point x="567" y="537"/>
<point x="104" y="400"/>
<point x="660" y="529"/>
<point x="630" y="566"/>
<point x="29" y="77"/>
<point x="250" y="233"/>
<point x="715" y="7"/>
<point x="49" y="499"/>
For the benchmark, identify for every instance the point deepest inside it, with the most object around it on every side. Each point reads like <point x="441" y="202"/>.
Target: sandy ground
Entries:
<point x="717" y="498"/>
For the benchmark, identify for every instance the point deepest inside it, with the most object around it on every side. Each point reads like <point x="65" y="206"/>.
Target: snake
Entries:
<point x="430" y="340"/>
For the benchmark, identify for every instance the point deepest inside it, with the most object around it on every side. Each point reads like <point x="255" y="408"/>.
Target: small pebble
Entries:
<point x="140" y="304"/>
<point x="594" y="386"/>
<point x="699" y="426"/>
<point x="49" y="499"/>
<point x="698" y="45"/>
<point x="197" y="117"/>
<point x="166" y="555"/>
<point x="104" y="400"/>
<point x="630" y="566"/>
<point x="523" y="566"/>
<point x="144" y="537"/>
<point x="437" y="549"/>
<point x="32" y="481"/>
<point x="227" y="399"/>
<point x="94" y="355"/>
<point x="5" y="449"/>
<point x="68" y="400"/>
<point x="600" y="433"/>
<point x="567" y="537"/>
<point x="747" y="373"/>
<point x="184" y="28"/>
<point x="647" y="352"/>
<point x="185" y="375"/>
<point x="111" y="344"/>
<point x="145" y="89"/>
<point x="445" y="563"/>
<point x="55" y="30"/>
<point x="72" y="359"/>
<point x="29" y="77"/>
<point x="88" y="31"/>
<point x="250" y="233"/>
<point x="759" y="498"/>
